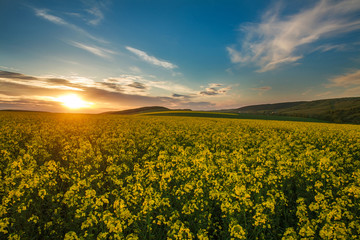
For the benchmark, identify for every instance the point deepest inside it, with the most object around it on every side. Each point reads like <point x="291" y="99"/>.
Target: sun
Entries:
<point x="73" y="101"/>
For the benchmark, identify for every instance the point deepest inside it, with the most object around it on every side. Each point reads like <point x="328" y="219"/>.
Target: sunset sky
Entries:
<point x="95" y="56"/>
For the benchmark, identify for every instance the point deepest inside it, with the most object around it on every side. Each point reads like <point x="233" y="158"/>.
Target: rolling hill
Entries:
<point x="144" y="110"/>
<point x="339" y="110"/>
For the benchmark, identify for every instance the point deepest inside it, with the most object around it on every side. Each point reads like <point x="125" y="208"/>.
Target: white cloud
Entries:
<point x="215" y="85"/>
<point x="8" y="77"/>
<point x="101" y="52"/>
<point x="44" y="13"/>
<point x="150" y="59"/>
<point x="329" y="47"/>
<point x="128" y="84"/>
<point x="235" y="56"/>
<point x="97" y="14"/>
<point x="128" y="80"/>
<point x="278" y="40"/>
<point x="346" y="80"/>
<point x="214" y="89"/>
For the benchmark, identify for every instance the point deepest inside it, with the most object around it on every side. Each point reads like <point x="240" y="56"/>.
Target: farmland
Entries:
<point x="73" y="176"/>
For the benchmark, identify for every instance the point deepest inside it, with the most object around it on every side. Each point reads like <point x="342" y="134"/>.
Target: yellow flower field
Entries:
<point x="69" y="176"/>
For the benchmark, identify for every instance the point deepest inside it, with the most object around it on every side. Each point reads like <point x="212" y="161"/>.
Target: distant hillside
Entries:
<point x="144" y="110"/>
<point x="339" y="110"/>
<point x="20" y="110"/>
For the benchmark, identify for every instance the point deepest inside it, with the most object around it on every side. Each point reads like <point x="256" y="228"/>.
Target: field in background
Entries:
<point x="230" y="115"/>
<point x="338" y="110"/>
<point x="150" y="177"/>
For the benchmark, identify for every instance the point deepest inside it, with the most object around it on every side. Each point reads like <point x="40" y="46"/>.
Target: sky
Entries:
<point x="93" y="56"/>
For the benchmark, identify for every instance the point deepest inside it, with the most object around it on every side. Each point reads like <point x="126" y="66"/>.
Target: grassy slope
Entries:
<point x="139" y="110"/>
<point x="335" y="110"/>
<point x="341" y="110"/>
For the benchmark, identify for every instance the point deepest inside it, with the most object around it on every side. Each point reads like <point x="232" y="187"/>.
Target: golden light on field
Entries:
<point x="73" y="101"/>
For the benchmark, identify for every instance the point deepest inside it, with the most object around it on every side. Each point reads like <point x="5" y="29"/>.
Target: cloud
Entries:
<point x="215" y="85"/>
<point x="12" y="75"/>
<point x="125" y="80"/>
<point x="17" y="79"/>
<point x="20" y="91"/>
<point x="95" y="9"/>
<point x="278" y="40"/>
<point x="150" y="59"/>
<point x="170" y="86"/>
<point x="347" y="80"/>
<point x="330" y="47"/>
<point x="54" y="19"/>
<point x="44" y="13"/>
<point x="33" y="103"/>
<point x="137" y="85"/>
<point x="175" y="95"/>
<point x="98" y="15"/>
<point x="98" y="51"/>
<point x="214" y="89"/>
<point x="209" y="91"/>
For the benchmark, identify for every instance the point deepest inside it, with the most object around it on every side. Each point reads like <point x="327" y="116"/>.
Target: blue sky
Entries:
<point x="180" y="54"/>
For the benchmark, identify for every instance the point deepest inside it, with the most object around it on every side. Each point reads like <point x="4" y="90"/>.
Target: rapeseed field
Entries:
<point x="68" y="176"/>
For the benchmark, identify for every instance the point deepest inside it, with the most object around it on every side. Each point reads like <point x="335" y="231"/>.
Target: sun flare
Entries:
<point x="73" y="101"/>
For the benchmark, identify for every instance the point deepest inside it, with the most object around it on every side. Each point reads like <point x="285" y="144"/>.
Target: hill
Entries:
<point x="21" y="110"/>
<point x="144" y="110"/>
<point x="339" y="110"/>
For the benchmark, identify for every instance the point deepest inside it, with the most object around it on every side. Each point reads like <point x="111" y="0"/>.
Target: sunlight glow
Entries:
<point x="73" y="101"/>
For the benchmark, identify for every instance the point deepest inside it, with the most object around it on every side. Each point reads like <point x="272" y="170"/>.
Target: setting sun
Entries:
<point x="73" y="101"/>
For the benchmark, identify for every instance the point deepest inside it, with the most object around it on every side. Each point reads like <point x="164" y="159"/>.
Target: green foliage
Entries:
<point x="67" y="176"/>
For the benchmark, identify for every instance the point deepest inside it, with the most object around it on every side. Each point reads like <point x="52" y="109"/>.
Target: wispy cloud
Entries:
<point x="129" y="80"/>
<point x="278" y="40"/>
<point x="97" y="14"/>
<point x="95" y="10"/>
<point x="137" y="85"/>
<point x="54" y="19"/>
<point x="215" y="89"/>
<point x="175" y="95"/>
<point x="16" y="79"/>
<point x="150" y="59"/>
<point x="329" y="47"/>
<point x="44" y="13"/>
<point x="99" y="51"/>
<point x="346" y="80"/>
<point x="129" y="84"/>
